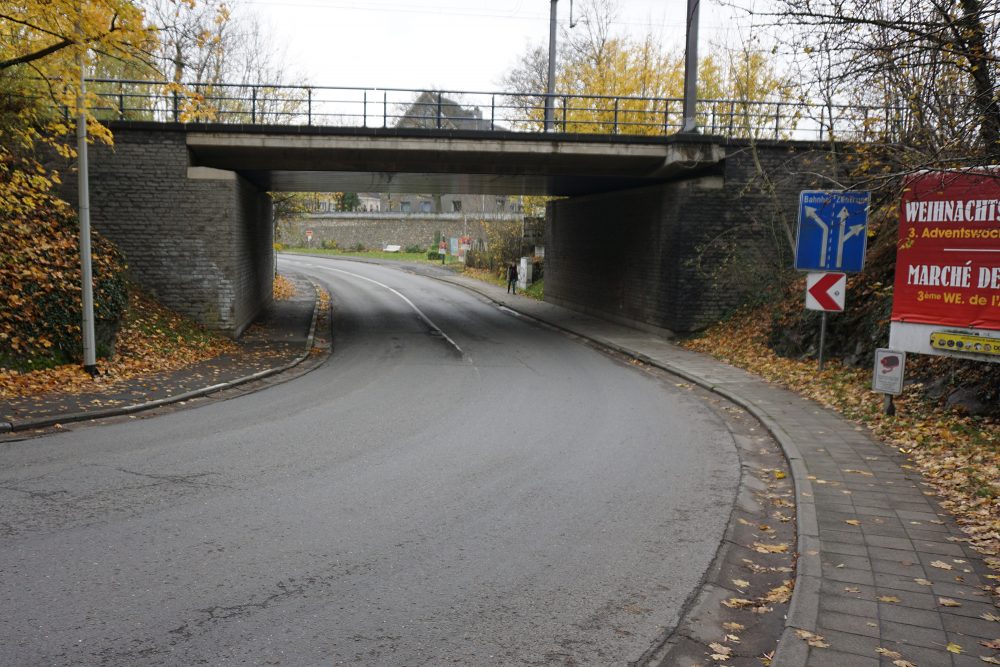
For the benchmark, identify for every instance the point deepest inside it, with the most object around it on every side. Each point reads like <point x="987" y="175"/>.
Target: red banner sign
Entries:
<point x="948" y="261"/>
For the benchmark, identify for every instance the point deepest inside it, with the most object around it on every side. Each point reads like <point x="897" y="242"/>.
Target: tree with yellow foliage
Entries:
<point x="607" y="83"/>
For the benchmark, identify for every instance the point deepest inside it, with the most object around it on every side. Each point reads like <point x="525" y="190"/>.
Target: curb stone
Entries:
<point x="117" y="411"/>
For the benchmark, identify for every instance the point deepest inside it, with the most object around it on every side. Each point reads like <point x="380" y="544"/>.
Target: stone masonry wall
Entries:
<point x="377" y="230"/>
<point x="679" y="256"/>
<point x="201" y="246"/>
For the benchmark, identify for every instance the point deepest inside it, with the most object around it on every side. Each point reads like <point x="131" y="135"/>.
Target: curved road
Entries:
<point x="456" y="485"/>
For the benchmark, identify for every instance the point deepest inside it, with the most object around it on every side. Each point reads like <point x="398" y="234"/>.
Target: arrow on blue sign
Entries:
<point x="831" y="234"/>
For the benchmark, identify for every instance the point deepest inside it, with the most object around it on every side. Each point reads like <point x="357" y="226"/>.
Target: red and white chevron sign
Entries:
<point x="826" y="291"/>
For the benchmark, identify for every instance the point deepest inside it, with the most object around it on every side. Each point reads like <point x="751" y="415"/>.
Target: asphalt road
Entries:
<point x="455" y="486"/>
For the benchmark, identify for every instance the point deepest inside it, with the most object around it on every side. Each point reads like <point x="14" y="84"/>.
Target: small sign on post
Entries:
<point x="887" y="377"/>
<point x="309" y="236"/>
<point x="826" y="291"/>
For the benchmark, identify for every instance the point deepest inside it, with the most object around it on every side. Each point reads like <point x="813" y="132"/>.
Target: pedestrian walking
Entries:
<point x="512" y="278"/>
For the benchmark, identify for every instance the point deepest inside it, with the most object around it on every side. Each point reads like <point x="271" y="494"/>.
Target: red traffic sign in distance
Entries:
<point x="826" y="291"/>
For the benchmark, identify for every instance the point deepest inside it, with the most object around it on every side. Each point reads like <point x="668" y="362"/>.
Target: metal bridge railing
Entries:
<point x="330" y="106"/>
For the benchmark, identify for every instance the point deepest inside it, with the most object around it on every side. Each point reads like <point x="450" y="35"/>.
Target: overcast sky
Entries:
<point x="446" y="44"/>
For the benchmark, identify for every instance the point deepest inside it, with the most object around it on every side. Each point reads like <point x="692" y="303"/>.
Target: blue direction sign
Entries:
<point x="833" y="229"/>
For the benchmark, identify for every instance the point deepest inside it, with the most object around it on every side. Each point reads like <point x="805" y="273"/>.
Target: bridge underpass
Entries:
<point x="640" y="238"/>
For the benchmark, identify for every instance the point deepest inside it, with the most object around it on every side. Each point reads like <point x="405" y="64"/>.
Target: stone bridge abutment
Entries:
<point x="198" y="239"/>
<point x="676" y="257"/>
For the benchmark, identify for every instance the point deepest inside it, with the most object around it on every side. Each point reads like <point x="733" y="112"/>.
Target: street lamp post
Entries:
<point x="691" y="68"/>
<point x="83" y="184"/>
<point x="551" y="85"/>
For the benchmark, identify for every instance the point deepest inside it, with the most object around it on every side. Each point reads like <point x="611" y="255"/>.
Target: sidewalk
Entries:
<point x="876" y="582"/>
<point x="280" y="339"/>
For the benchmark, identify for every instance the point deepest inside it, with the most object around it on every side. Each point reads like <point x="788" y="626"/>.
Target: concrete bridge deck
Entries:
<point x="665" y="232"/>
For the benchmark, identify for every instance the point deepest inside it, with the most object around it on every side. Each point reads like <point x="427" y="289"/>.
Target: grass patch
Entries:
<point x="373" y="254"/>
<point x="535" y="290"/>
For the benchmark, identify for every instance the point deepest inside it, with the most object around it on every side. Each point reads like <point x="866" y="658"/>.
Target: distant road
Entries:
<point x="455" y="486"/>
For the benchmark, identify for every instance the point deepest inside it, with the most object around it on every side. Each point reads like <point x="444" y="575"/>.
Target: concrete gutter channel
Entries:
<point x="117" y="411"/>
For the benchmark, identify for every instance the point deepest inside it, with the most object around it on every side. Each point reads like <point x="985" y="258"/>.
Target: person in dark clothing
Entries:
<point x="512" y="278"/>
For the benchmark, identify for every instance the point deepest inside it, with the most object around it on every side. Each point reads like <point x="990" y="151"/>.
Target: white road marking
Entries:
<point x="435" y="328"/>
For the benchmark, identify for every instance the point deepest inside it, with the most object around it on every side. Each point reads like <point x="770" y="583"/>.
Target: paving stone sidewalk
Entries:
<point x="277" y="340"/>
<point x="876" y="553"/>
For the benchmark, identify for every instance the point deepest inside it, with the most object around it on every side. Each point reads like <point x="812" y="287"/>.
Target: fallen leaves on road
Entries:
<point x="152" y="340"/>
<point x="779" y="548"/>
<point x="890" y="654"/>
<point x="283" y="288"/>
<point x="780" y="594"/>
<point x="722" y="652"/>
<point x="811" y="638"/>
<point x="948" y="602"/>
<point x="738" y="603"/>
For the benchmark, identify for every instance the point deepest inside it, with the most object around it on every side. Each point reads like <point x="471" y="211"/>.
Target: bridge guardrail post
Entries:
<point x="564" y="114"/>
<point x="176" y="107"/>
<point x="439" y="111"/>
<point x="493" y="106"/>
<point x="309" y="106"/>
<point x="364" y="108"/>
<point x="253" y="105"/>
<point x="385" y="108"/>
<point x="615" y="130"/>
<point x="777" y="121"/>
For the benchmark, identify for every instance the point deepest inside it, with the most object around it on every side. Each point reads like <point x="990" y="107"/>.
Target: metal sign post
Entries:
<point x="832" y="236"/>
<point x="822" y="338"/>
<point x="825" y="292"/>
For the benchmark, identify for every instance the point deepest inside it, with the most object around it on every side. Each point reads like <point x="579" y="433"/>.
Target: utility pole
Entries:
<point x="551" y="87"/>
<point x="83" y="184"/>
<point x="691" y="68"/>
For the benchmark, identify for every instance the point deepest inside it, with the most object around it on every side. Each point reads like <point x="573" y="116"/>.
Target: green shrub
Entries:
<point x="434" y="256"/>
<point x="416" y="249"/>
<point x="358" y="247"/>
<point x="40" y="321"/>
<point x="330" y="244"/>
